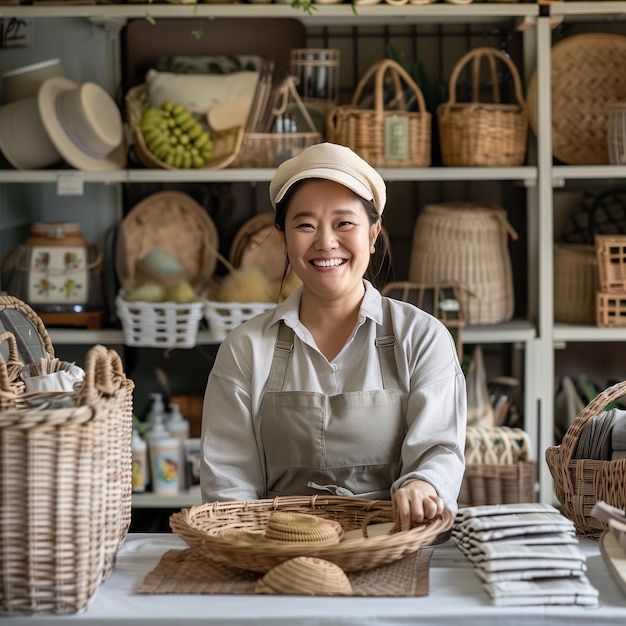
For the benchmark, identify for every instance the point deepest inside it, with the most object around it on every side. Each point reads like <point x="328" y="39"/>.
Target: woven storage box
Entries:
<point x="611" y="255"/>
<point x="65" y="489"/>
<point x="575" y="283"/>
<point x="212" y="529"/>
<point x="483" y="134"/>
<point x="610" y="309"/>
<point x="222" y="317"/>
<point x="467" y="243"/>
<point x="226" y="143"/>
<point x="385" y="138"/>
<point x="498" y="469"/>
<point x="580" y="483"/>
<point x="159" y="324"/>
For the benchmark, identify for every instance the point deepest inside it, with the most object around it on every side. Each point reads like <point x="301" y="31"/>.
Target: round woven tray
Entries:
<point x="587" y="77"/>
<point x="209" y="529"/>
<point x="176" y="223"/>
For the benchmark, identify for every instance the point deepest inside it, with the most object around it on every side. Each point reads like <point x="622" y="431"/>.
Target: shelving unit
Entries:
<point x="537" y="335"/>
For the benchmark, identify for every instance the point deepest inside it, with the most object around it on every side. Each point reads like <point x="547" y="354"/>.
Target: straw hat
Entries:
<point x="84" y="123"/>
<point x="305" y="575"/>
<point x="286" y="527"/>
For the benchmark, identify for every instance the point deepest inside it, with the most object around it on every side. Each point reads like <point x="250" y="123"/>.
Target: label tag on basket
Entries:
<point x="397" y="138"/>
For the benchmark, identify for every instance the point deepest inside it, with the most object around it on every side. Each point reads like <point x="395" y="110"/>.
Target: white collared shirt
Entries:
<point x="428" y="371"/>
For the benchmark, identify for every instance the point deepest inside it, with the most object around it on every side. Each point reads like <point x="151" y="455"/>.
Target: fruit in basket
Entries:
<point x="173" y="135"/>
<point x="182" y="293"/>
<point x="148" y="292"/>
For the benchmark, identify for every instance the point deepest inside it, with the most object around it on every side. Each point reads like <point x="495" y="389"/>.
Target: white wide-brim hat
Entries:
<point x="23" y="138"/>
<point x="84" y="123"/>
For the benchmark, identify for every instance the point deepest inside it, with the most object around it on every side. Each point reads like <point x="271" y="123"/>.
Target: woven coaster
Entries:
<point x="189" y="571"/>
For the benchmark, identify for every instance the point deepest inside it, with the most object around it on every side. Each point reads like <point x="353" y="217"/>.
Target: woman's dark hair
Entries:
<point x="380" y="262"/>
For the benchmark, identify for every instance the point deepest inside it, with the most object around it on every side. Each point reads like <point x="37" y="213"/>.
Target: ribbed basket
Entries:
<point x="393" y="137"/>
<point x="231" y="532"/>
<point x="483" y="134"/>
<point x="222" y="317"/>
<point x="498" y="467"/>
<point x="226" y="143"/>
<point x="65" y="489"/>
<point x="467" y="243"/>
<point x="616" y="133"/>
<point x="575" y="283"/>
<point x="580" y="483"/>
<point x="159" y="324"/>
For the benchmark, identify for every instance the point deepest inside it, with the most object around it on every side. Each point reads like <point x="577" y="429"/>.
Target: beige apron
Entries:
<point x="346" y="444"/>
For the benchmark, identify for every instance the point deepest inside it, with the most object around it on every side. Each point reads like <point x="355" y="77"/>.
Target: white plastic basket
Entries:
<point x="159" y="324"/>
<point x="222" y="317"/>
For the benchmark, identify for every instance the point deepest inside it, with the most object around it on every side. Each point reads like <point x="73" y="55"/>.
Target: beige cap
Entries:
<point x="331" y="162"/>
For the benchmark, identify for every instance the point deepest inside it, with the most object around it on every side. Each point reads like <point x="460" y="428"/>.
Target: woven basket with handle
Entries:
<point x="65" y="487"/>
<point x="580" y="483"/>
<point x="379" y="134"/>
<point x="483" y="134"/>
<point x="231" y="532"/>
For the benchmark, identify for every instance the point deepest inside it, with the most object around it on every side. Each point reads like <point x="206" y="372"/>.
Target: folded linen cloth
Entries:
<point x="511" y="552"/>
<point x="618" y="434"/>
<point x="527" y="574"/>
<point x="549" y="591"/>
<point x="595" y="440"/>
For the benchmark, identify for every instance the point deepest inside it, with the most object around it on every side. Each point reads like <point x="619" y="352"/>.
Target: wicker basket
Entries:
<point x="580" y="483"/>
<point x="575" y="283"/>
<point x="159" y="324"/>
<point x="483" y="134"/>
<point x="498" y="468"/>
<point x="212" y="529"/>
<point x="385" y="138"/>
<point x="611" y="255"/>
<point x="610" y="309"/>
<point x="616" y="132"/>
<point x="65" y="489"/>
<point x="226" y="143"/>
<point x="222" y="317"/>
<point x="466" y="243"/>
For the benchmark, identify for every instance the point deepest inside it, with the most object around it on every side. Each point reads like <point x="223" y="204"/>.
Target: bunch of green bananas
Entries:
<point x="175" y="137"/>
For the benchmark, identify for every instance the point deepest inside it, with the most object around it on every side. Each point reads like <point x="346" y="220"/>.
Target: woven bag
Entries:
<point x="65" y="488"/>
<point x="580" y="483"/>
<point x="385" y="138"/>
<point x="483" y="134"/>
<point x="467" y="243"/>
<point x="498" y="467"/>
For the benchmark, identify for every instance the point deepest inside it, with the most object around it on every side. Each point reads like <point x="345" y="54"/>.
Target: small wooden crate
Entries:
<point x="611" y="309"/>
<point x="611" y="253"/>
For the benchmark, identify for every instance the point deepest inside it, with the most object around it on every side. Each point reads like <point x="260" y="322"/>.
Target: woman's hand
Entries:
<point x="415" y="502"/>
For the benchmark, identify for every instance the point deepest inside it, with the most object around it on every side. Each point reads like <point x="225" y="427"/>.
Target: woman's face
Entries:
<point x="328" y="238"/>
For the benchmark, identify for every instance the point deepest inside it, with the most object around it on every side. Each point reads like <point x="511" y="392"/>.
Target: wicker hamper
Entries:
<point x="483" y="134"/>
<point x="466" y="243"/>
<point x="580" y="483"/>
<point x="65" y="487"/>
<point x="385" y="137"/>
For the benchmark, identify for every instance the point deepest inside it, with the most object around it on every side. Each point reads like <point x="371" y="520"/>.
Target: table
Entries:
<point x="456" y="599"/>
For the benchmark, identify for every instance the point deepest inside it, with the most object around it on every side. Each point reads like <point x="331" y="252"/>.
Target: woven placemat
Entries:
<point x="189" y="571"/>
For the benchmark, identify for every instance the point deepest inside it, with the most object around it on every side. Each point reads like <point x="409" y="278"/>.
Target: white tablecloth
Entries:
<point x="456" y="599"/>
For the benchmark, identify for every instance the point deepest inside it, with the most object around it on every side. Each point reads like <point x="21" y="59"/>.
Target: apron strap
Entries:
<point x="282" y="350"/>
<point x="385" y="341"/>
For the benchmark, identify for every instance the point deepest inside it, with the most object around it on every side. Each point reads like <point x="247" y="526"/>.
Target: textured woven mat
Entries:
<point x="188" y="571"/>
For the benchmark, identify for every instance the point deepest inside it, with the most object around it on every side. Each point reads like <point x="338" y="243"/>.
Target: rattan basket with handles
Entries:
<point x="580" y="483"/>
<point x="372" y="132"/>
<point x="483" y="134"/>
<point x="209" y="529"/>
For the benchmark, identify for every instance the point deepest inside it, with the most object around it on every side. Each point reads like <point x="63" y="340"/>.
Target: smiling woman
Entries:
<point x="363" y="395"/>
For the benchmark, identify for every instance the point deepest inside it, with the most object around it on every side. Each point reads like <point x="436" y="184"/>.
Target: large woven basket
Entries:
<point x="212" y="529"/>
<point x="478" y="133"/>
<point x="226" y="143"/>
<point x="580" y="483"/>
<point x="392" y="137"/>
<point x="575" y="283"/>
<point x="467" y="243"/>
<point x="65" y="488"/>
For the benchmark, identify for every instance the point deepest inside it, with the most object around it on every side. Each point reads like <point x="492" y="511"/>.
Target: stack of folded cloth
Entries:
<point x="603" y="437"/>
<point x="525" y="554"/>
